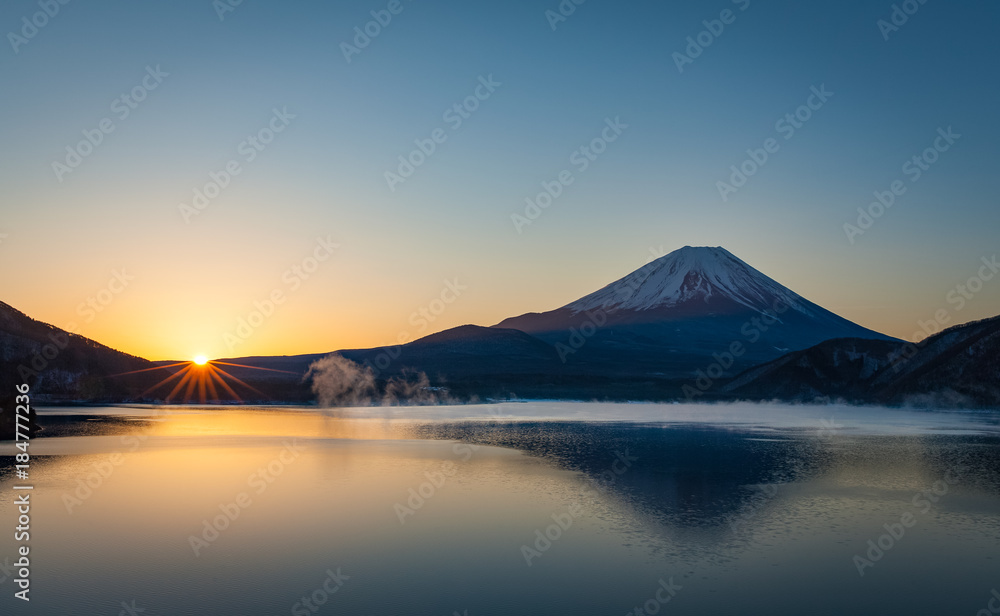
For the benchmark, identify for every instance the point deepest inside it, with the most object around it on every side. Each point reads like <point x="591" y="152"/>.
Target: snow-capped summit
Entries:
<point x="691" y="274"/>
<point x="684" y="309"/>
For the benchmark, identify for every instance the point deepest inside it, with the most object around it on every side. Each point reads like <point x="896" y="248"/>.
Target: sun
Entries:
<point x="203" y="378"/>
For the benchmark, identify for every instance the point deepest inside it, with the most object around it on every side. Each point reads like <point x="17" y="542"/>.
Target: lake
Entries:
<point x="516" y="508"/>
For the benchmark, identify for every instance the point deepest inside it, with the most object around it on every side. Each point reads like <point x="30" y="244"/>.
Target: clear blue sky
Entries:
<point x="655" y="186"/>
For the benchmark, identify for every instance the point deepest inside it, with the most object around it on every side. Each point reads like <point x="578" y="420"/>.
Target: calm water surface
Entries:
<point x="672" y="509"/>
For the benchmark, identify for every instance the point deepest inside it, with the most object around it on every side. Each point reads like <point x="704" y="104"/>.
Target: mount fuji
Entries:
<point x="682" y="311"/>
<point x="650" y="335"/>
<point x="643" y="336"/>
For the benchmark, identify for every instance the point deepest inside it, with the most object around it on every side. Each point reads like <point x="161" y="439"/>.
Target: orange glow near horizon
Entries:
<point x="170" y="313"/>
<point x="200" y="381"/>
<point x="346" y="329"/>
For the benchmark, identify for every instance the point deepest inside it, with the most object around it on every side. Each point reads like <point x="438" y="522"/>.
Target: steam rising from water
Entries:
<point x="338" y="381"/>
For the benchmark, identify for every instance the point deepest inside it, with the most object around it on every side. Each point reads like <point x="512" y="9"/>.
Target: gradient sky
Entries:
<point x="653" y="189"/>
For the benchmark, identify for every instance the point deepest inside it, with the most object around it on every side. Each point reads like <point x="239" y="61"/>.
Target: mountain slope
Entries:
<point x="457" y="351"/>
<point x="687" y="275"/>
<point x="671" y="315"/>
<point x="957" y="367"/>
<point x="460" y="352"/>
<point x="470" y="361"/>
<point x="842" y="368"/>
<point x="643" y="336"/>
<point x="960" y="365"/>
<point x="60" y="365"/>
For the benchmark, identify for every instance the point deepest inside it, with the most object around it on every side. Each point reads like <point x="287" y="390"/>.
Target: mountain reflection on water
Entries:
<point x="748" y="509"/>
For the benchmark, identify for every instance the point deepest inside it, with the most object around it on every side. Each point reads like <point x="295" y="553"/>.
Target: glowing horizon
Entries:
<point x="349" y="192"/>
<point x="286" y="337"/>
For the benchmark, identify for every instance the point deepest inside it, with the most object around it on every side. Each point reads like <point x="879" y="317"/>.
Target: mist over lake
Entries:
<point x="542" y="307"/>
<point x="526" y="508"/>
